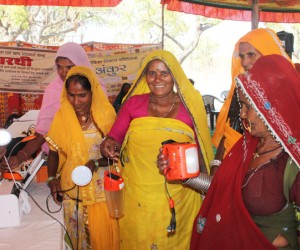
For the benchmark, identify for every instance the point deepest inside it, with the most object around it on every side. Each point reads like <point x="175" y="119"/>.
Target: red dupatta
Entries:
<point x="223" y="221"/>
<point x="273" y="88"/>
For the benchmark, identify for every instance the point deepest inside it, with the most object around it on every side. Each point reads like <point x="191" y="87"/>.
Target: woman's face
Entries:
<point x="63" y="65"/>
<point x="79" y="98"/>
<point x="248" y="55"/>
<point x="159" y="78"/>
<point x="250" y="118"/>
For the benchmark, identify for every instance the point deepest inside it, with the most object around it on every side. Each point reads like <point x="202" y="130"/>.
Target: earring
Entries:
<point x="247" y="125"/>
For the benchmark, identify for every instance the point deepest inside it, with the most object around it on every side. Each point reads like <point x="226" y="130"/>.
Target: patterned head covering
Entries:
<point x="267" y="43"/>
<point x="273" y="88"/>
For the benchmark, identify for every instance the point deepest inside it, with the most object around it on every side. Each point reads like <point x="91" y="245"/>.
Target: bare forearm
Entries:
<point x="202" y="165"/>
<point x="214" y="165"/>
<point x="220" y="150"/>
<point x="52" y="163"/>
<point x="33" y="146"/>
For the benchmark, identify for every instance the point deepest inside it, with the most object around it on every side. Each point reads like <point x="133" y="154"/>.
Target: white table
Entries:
<point x="22" y="124"/>
<point x="37" y="231"/>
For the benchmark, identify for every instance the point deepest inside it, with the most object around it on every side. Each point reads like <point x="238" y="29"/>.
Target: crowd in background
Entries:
<point x="253" y="195"/>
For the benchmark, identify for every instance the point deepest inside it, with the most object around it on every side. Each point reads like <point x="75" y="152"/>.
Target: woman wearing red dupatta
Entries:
<point x="254" y="44"/>
<point x="250" y="203"/>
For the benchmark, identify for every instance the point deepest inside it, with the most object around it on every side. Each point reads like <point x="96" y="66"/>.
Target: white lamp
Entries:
<point x="81" y="175"/>
<point x="5" y="137"/>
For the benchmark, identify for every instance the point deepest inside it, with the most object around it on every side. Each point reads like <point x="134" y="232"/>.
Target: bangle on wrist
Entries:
<point x="96" y="165"/>
<point x="103" y="139"/>
<point x="51" y="178"/>
<point x="215" y="163"/>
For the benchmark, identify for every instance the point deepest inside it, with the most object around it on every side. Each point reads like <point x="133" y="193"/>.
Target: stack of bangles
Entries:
<point x="215" y="163"/>
<point x="51" y="178"/>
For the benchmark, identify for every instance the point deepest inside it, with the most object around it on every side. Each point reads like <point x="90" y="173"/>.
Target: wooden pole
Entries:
<point x="255" y="14"/>
<point x="162" y="25"/>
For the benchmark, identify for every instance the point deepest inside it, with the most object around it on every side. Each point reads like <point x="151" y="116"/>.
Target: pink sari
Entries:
<point x="51" y="97"/>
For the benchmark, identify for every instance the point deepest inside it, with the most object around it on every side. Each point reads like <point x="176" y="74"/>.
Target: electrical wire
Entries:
<point x="19" y="187"/>
<point x="50" y="214"/>
<point x="50" y="195"/>
<point x="77" y="209"/>
<point x="17" y="184"/>
<point x="172" y="227"/>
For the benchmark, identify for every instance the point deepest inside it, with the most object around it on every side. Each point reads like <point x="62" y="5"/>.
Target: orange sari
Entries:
<point x="266" y="42"/>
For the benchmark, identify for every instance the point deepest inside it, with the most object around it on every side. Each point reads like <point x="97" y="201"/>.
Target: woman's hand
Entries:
<point x="2" y="152"/>
<point x="162" y="163"/>
<point x="110" y="148"/>
<point x="93" y="165"/>
<point x="55" y="189"/>
<point x="13" y="162"/>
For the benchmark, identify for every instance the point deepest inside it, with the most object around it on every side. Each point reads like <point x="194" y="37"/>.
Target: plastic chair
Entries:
<point x="209" y="103"/>
<point x="224" y="94"/>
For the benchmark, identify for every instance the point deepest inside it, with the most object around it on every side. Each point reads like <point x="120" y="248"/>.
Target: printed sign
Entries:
<point x="29" y="70"/>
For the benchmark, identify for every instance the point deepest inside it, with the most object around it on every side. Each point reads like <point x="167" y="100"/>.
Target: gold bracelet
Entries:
<point x="51" y="178"/>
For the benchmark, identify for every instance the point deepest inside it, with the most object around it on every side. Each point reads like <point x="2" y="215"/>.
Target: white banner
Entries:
<point x="26" y="70"/>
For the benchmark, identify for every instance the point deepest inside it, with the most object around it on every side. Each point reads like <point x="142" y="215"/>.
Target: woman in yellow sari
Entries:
<point x="161" y="105"/>
<point x="83" y="119"/>
<point x="248" y="49"/>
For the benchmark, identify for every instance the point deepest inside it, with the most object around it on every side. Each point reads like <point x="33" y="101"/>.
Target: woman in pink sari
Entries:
<point x="67" y="56"/>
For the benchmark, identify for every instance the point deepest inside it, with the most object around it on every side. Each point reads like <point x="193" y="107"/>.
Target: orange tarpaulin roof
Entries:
<point x="74" y="3"/>
<point x="284" y="11"/>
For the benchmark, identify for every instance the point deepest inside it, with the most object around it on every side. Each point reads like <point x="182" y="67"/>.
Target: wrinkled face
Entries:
<point x="250" y="118"/>
<point x="63" y="65"/>
<point x="159" y="78"/>
<point x="248" y="55"/>
<point x="79" y="98"/>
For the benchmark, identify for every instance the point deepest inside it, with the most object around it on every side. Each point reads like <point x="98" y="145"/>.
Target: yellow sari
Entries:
<point x="76" y="147"/>
<point x="266" y="42"/>
<point x="147" y="213"/>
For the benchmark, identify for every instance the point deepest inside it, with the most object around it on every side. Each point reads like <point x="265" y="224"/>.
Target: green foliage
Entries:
<point x="42" y="24"/>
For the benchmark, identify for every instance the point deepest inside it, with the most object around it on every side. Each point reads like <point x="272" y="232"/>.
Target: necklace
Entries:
<point x="84" y="118"/>
<point x="256" y="154"/>
<point x="247" y="181"/>
<point x="169" y="110"/>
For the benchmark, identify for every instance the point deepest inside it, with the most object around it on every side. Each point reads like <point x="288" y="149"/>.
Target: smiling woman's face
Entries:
<point x="159" y="78"/>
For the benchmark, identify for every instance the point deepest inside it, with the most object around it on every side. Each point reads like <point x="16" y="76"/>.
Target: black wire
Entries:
<point x="49" y="214"/>
<point x="166" y="187"/>
<point x="172" y="227"/>
<point x="47" y="204"/>
<point x="77" y="203"/>
<point x="50" y="195"/>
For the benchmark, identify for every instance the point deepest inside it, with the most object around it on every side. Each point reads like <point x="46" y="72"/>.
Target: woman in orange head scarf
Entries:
<point x="264" y="42"/>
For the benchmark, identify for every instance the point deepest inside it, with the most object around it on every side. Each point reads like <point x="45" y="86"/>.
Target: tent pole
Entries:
<point x="255" y="15"/>
<point x="162" y="25"/>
